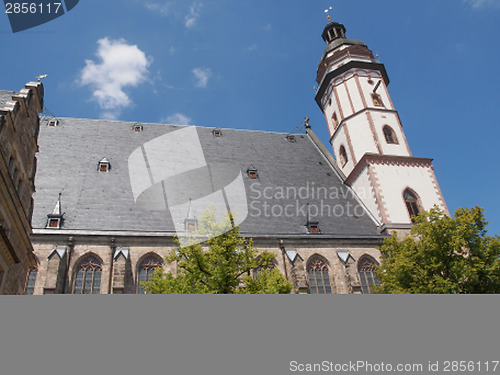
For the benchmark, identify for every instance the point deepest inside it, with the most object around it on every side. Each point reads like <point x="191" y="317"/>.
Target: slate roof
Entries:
<point x="104" y="201"/>
<point x="5" y="96"/>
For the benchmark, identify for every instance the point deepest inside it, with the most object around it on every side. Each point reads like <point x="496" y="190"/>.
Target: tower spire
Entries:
<point x="367" y="135"/>
<point x="57" y="208"/>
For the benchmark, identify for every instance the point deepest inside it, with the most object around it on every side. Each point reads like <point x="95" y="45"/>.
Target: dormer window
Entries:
<point x="252" y="173"/>
<point x="104" y="165"/>
<point x="217" y="133"/>
<point x="190" y="222"/>
<point x="313" y="227"/>
<point x="138" y="128"/>
<point x="54" y="219"/>
<point x="53" y="122"/>
<point x="190" y="225"/>
<point x="291" y="138"/>
<point x="54" y="223"/>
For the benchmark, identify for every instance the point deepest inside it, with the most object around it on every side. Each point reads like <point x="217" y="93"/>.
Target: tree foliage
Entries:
<point x="442" y="255"/>
<point x="223" y="264"/>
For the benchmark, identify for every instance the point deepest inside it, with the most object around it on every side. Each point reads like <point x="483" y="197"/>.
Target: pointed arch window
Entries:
<point x="258" y="270"/>
<point x="30" y="282"/>
<point x="88" y="277"/>
<point x="319" y="278"/>
<point x="412" y="203"/>
<point x="366" y="269"/>
<point x="146" y="269"/>
<point x="343" y="156"/>
<point x="390" y="135"/>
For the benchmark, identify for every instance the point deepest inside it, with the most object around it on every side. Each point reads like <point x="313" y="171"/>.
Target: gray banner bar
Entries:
<point x="240" y="335"/>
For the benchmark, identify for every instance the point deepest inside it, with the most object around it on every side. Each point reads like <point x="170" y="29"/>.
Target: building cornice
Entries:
<point x="344" y="68"/>
<point x="49" y="235"/>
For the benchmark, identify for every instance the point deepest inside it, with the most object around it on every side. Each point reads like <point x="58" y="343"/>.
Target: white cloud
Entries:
<point x="267" y="27"/>
<point x="160" y="8"/>
<point x="193" y="15"/>
<point x="170" y="9"/>
<point x="177" y="119"/>
<point x="121" y="65"/>
<point x="202" y="75"/>
<point x="483" y="3"/>
<point x="253" y="47"/>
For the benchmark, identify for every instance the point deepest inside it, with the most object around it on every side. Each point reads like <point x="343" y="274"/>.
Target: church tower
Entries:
<point x="367" y="136"/>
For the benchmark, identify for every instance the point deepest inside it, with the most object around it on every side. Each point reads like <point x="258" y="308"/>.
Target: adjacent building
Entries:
<point x="19" y="126"/>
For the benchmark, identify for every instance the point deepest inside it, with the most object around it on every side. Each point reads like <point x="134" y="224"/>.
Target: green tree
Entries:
<point x="224" y="265"/>
<point x="442" y="255"/>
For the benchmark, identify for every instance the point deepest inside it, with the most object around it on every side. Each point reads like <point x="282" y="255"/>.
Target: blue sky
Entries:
<point x="252" y="65"/>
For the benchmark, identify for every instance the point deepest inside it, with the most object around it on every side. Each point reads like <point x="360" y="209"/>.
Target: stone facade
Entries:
<point x="122" y="258"/>
<point x="19" y="127"/>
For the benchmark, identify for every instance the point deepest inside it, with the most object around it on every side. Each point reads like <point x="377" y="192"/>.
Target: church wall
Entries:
<point x="394" y="179"/>
<point x="361" y="136"/>
<point x="354" y="93"/>
<point x="380" y="119"/>
<point x="342" y="278"/>
<point x="341" y="139"/>
<point x="364" y="189"/>
<point x="344" y="100"/>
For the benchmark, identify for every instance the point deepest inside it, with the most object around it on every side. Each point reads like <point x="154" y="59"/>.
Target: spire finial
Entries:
<point x="327" y="11"/>
<point x="190" y="211"/>
<point x="57" y="208"/>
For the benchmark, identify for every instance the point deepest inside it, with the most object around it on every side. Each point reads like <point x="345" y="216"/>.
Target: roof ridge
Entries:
<point x="162" y="124"/>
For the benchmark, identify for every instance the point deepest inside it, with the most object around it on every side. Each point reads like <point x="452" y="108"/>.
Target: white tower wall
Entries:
<point x="361" y="117"/>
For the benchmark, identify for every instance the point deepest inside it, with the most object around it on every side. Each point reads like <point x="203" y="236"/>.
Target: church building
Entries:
<point x="111" y="195"/>
<point x="19" y="126"/>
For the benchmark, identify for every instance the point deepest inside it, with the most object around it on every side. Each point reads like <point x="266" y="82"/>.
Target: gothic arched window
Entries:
<point x="343" y="156"/>
<point x="412" y="203"/>
<point x="319" y="279"/>
<point x="30" y="282"/>
<point x="88" y="276"/>
<point x="259" y="269"/>
<point x="366" y="269"/>
<point x="146" y="269"/>
<point x="390" y="135"/>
